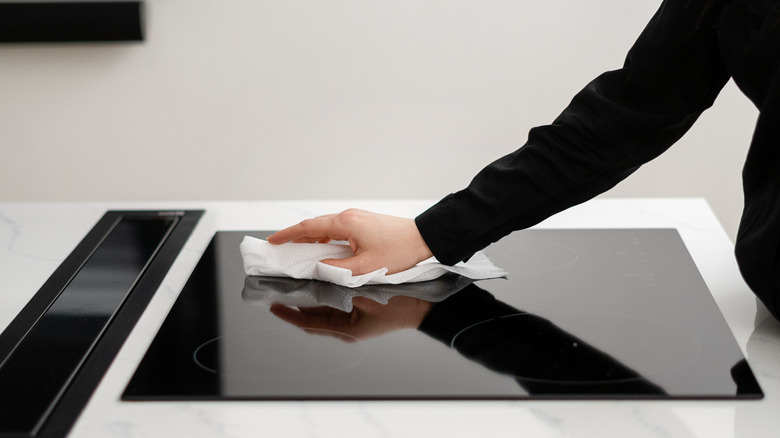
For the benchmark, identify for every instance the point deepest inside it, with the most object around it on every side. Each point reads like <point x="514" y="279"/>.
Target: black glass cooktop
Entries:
<point x="581" y="314"/>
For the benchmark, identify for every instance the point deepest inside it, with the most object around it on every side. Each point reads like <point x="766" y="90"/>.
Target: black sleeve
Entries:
<point x="621" y="120"/>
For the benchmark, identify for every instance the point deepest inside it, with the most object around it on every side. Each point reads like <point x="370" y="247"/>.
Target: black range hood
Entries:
<point x="71" y="21"/>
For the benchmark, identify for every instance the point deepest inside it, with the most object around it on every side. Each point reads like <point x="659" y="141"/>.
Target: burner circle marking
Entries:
<point x="279" y="354"/>
<point x="597" y="347"/>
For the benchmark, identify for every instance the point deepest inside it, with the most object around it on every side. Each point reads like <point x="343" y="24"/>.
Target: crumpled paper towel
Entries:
<point x="302" y="261"/>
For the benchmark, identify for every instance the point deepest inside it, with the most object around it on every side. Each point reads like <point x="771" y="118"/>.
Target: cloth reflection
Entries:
<point x="541" y="357"/>
<point x="358" y="313"/>
<point x="265" y="291"/>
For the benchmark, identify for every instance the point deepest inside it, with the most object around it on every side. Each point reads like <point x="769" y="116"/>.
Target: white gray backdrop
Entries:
<point x="329" y="99"/>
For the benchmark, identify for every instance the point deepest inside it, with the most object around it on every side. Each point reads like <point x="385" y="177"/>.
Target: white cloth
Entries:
<point x="302" y="260"/>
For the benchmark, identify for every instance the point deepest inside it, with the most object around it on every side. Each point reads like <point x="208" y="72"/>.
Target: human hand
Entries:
<point x="377" y="240"/>
<point x="367" y="319"/>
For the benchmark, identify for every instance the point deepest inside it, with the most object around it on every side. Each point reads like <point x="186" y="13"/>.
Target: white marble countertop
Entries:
<point x="35" y="238"/>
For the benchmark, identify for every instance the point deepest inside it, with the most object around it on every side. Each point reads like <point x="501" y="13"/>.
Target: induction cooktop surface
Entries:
<point x="581" y="314"/>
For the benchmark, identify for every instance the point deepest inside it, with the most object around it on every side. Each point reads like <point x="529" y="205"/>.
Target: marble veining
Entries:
<point x="35" y="238"/>
<point x="10" y="231"/>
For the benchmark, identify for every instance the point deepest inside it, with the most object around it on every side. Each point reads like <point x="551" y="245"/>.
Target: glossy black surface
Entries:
<point x="582" y="314"/>
<point x="54" y="352"/>
<point x="51" y="352"/>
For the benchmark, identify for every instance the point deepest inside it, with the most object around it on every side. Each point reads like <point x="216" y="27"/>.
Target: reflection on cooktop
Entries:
<point x="265" y="291"/>
<point x="582" y="314"/>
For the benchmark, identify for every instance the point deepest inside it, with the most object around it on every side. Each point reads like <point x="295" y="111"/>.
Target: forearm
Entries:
<point x="621" y="120"/>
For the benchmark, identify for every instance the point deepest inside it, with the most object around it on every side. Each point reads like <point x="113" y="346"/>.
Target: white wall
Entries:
<point x="309" y="99"/>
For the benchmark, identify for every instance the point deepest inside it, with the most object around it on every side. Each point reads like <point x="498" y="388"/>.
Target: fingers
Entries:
<point x="322" y="321"/>
<point x="359" y="264"/>
<point x="317" y="318"/>
<point x="378" y="241"/>
<point x="321" y="229"/>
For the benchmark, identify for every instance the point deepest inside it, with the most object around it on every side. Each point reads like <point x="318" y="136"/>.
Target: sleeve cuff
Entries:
<point x="443" y="229"/>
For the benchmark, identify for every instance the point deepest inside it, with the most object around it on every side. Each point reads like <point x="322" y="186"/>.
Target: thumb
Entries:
<point x="358" y="264"/>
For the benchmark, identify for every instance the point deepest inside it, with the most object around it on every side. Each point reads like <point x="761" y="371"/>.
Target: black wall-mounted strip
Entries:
<point x="55" y="352"/>
<point x="71" y="21"/>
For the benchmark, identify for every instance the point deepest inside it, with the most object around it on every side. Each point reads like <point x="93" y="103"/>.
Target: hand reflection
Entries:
<point x="367" y="319"/>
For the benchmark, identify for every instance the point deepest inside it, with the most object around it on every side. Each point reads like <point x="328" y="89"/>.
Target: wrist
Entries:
<point x="419" y="247"/>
